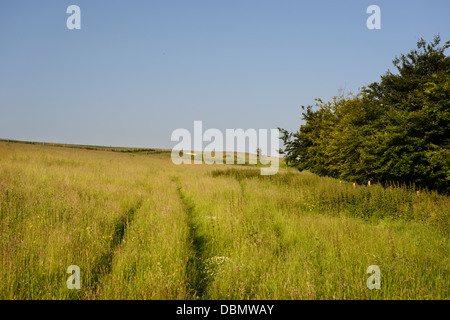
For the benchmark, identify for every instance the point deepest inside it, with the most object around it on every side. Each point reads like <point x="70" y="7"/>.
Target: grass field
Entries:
<point x="140" y="227"/>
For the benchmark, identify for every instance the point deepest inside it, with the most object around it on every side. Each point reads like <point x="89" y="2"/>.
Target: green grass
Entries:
<point x="140" y="227"/>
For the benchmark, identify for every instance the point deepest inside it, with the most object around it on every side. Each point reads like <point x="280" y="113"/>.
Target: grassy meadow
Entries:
<point x="141" y="227"/>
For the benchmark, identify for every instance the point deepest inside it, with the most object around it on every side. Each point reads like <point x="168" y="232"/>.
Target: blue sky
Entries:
<point x="137" y="70"/>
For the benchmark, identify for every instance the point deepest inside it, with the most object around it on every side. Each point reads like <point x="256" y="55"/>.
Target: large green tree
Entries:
<point x="397" y="129"/>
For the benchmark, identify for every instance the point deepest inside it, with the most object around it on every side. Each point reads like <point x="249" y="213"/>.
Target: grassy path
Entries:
<point x="197" y="278"/>
<point x="103" y="264"/>
<point x="213" y="232"/>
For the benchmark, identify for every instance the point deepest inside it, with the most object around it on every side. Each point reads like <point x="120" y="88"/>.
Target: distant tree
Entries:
<point x="258" y="154"/>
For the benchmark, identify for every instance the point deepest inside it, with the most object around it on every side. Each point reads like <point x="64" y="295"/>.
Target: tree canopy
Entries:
<point x="397" y="129"/>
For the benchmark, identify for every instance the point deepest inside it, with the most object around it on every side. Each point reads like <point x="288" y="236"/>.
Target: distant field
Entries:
<point x="140" y="227"/>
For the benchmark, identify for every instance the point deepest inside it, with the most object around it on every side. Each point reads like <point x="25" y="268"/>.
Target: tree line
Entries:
<point x="394" y="130"/>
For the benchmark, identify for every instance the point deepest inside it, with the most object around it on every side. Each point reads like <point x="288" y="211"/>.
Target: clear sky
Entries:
<point x="137" y="70"/>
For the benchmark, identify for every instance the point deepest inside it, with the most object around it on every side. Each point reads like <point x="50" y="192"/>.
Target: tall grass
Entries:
<point x="140" y="227"/>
